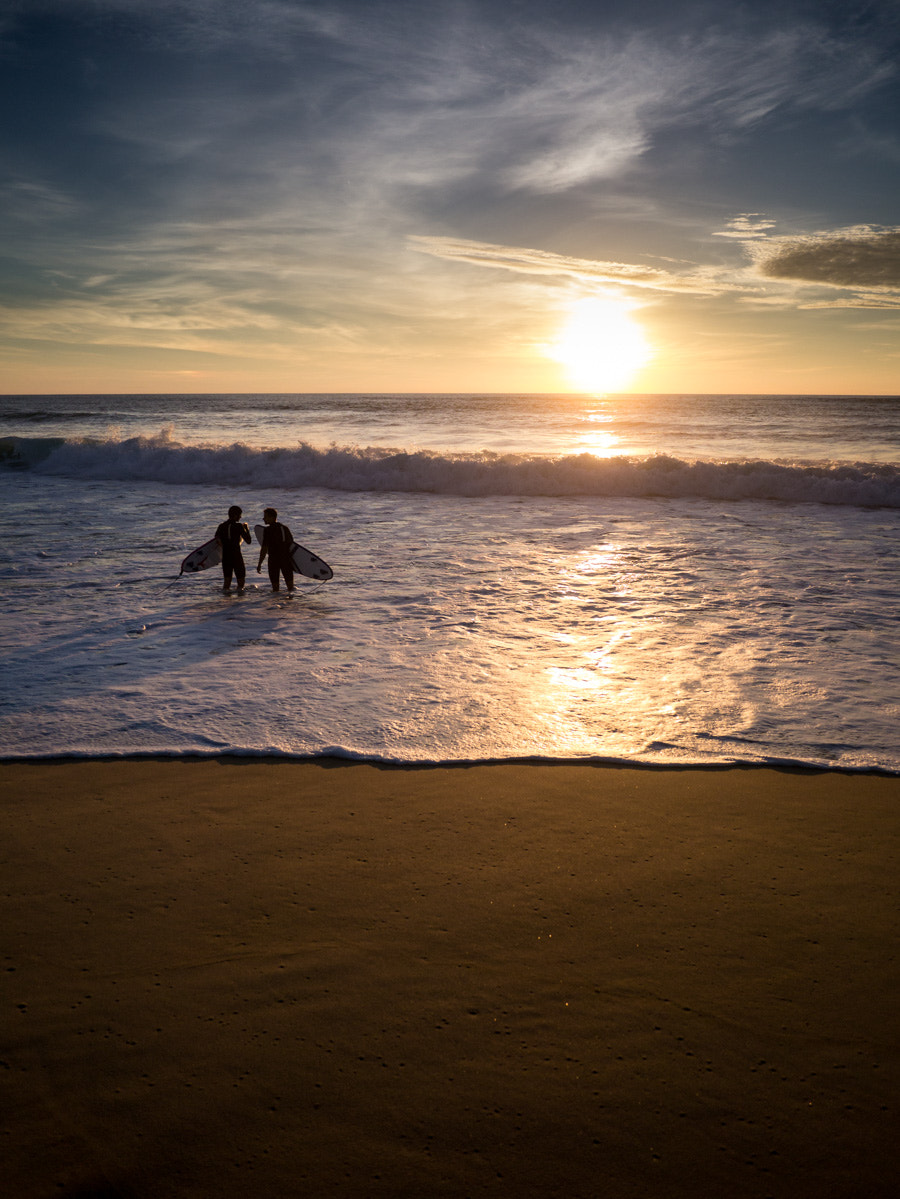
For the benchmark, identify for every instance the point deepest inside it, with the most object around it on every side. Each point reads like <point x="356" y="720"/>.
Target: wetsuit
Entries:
<point x="277" y="542"/>
<point x="230" y="534"/>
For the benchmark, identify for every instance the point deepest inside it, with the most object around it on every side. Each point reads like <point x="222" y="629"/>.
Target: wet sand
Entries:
<point x="234" y="978"/>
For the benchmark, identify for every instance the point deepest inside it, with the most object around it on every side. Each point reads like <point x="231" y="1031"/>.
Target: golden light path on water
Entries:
<point x="600" y="442"/>
<point x="624" y="671"/>
<point x="600" y="345"/>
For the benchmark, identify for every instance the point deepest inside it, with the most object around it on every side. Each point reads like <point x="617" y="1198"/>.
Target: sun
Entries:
<point x="600" y="345"/>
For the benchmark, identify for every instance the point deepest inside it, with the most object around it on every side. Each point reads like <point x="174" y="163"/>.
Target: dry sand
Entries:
<point x="317" y="979"/>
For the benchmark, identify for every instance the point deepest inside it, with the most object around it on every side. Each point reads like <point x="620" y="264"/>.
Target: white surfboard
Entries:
<point x="305" y="561"/>
<point x="206" y="555"/>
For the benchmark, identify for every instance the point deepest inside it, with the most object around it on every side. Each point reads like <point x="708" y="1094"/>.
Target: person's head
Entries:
<point x="234" y="512"/>
<point x="270" y="516"/>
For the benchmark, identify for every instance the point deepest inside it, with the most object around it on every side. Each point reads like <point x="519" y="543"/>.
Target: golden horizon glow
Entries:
<point x="600" y="346"/>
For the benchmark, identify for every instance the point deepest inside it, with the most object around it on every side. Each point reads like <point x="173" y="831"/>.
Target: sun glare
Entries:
<point x="600" y="346"/>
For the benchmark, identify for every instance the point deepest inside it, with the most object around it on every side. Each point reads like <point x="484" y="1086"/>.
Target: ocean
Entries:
<point x="668" y="580"/>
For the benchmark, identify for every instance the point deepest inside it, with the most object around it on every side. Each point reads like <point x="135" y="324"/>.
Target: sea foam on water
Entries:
<point x="499" y="592"/>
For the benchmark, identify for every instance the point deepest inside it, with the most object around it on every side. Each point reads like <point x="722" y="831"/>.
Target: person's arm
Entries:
<point x="245" y="533"/>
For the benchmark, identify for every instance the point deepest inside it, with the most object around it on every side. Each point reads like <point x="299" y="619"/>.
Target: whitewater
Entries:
<point x="662" y="580"/>
<point x="161" y="459"/>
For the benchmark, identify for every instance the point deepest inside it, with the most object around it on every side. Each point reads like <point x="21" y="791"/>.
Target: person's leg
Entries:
<point x="240" y="573"/>
<point x="288" y="571"/>
<point x="273" y="574"/>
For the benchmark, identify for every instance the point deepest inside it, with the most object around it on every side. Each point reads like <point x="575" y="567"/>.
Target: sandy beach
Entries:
<point x="231" y="978"/>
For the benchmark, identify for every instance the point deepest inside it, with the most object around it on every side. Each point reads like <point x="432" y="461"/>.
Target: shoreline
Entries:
<point x="238" y="975"/>
<point x="331" y="759"/>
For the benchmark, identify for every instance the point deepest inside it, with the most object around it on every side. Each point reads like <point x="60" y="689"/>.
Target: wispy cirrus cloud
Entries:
<point x="339" y="101"/>
<point x="530" y="261"/>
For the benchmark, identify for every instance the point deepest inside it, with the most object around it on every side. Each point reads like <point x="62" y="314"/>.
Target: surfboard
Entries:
<point x="305" y="561"/>
<point x="206" y="555"/>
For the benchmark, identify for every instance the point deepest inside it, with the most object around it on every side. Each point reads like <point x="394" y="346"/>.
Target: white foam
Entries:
<point x="161" y="459"/>
<point x="540" y="603"/>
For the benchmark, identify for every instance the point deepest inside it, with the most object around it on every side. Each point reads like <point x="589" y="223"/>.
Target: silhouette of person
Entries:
<point x="277" y="542"/>
<point x="229" y="535"/>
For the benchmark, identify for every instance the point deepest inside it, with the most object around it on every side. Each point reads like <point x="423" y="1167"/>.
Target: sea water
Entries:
<point x="654" y="579"/>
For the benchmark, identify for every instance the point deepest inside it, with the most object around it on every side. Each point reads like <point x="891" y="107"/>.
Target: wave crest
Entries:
<point x="160" y="459"/>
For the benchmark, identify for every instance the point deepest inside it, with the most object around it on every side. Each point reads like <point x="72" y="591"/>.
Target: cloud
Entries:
<point x="861" y="260"/>
<point x="885" y="300"/>
<point x="697" y="281"/>
<point x="420" y="97"/>
<point x="859" y="257"/>
<point x="32" y="204"/>
<point x="747" y="225"/>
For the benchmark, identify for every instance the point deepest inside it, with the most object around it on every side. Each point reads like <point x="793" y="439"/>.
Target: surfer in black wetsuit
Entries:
<point x="276" y="543"/>
<point x="229" y="535"/>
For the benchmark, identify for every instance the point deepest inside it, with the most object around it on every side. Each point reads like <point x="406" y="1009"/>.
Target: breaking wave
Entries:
<point x="160" y="459"/>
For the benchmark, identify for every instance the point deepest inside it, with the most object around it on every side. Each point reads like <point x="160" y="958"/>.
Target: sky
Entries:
<point x="494" y="195"/>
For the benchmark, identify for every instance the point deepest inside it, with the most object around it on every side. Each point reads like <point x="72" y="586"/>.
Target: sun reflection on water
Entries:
<point x="600" y="437"/>
<point x="603" y="445"/>
<point x="614" y="676"/>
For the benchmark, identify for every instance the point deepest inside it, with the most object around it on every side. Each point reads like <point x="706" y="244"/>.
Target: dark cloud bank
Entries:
<point x="863" y="258"/>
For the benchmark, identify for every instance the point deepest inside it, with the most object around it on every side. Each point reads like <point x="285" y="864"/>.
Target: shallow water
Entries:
<point x="642" y="627"/>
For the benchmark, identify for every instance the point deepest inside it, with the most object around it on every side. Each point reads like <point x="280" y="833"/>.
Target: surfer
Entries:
<point x="276" y="543"/>
<point x="229" y="535"/>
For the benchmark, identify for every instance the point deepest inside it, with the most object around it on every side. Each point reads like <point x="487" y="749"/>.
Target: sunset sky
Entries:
<point x="501" y="195"/>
